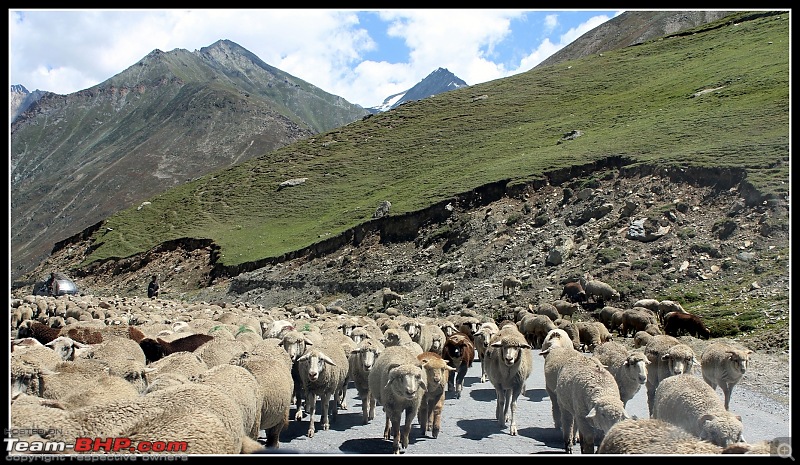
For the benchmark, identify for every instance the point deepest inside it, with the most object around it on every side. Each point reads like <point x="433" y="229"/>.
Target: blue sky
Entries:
<point x="361" y="55"/>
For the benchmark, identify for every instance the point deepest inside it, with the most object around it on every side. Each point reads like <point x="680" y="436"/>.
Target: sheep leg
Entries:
<point x="372" y="402"/>
<point x="311" y="405"/>
<point x="423" y="416"/>
<point x="555" y="408"/>
<point x="498" y="413"/>
<point x="514" y="396"/>
<point x="325" y="401"/>
<point x="435" y="422"/>
<point x="395" y="431"/>
<point x="727" y="388"/>
<point x="567" y="429"/>
<point x="387" y="428"/>
<point x="586" y="435"/>
<point x="405" y="430"/>
<point x="365" y="404"/>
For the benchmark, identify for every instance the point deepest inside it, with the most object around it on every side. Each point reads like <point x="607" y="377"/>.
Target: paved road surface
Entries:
<point x="469" y="427"/>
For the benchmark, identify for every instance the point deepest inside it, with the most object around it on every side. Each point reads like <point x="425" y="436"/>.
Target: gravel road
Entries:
<point x="468" y="424"/>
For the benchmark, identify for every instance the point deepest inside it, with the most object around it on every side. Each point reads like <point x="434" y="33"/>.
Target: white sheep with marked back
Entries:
<point x="398" y="382"/>
<point x="723" y="364"/>
<point x="589" y="401"/>
<point x="509" y="363"/>
<point x="687" y="401"/>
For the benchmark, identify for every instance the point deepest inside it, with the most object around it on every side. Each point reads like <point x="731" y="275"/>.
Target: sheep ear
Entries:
<point x="525" y="346"/>
<point x="326" y="359"/>
<point x="496" y="344"/>
<point x="308" y="341"/>
<point x="704" y="419"/>
<point x="304" y="356"/>
<point x="592" y="413"/>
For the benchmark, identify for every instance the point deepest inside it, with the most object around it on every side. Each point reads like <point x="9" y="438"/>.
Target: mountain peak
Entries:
<point x="440" y="80"/>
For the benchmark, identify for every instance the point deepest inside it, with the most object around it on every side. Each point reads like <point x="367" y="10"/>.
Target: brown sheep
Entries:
<point x="676" y="323"/>
<point x="573" y="292"/>
<point x="459" y="352"/>
<point x="437" y="374"/>
<point x="159" y="348"/>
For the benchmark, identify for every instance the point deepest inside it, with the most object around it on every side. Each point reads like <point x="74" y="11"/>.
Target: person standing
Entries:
<point x="154" y="287"/>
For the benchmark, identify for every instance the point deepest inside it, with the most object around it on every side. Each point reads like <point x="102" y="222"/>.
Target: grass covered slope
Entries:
<point x="715" y="97"/>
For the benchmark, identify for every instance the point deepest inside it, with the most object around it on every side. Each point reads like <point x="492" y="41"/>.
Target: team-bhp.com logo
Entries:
<point x="89" y="445"/>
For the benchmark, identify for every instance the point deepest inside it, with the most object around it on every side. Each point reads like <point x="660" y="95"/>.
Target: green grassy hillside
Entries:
<point x="717" y="97"/>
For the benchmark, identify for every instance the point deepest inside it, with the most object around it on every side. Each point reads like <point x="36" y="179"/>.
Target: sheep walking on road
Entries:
<point x="437" y="372"/>
<point x="687" y="401"/>
<point x="668" y="357"/>
<point x="589" y="401"/>
<point x="398" y="383"/>
<point x="628" y="367"/>
<point x="323" y="371"/>
<point x="459" y="352"/>
<point x="509" y="362"/>
<point x="723" y="365"/>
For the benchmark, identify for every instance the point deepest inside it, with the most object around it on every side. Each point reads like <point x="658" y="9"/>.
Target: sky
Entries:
<point x="363" y="56"/>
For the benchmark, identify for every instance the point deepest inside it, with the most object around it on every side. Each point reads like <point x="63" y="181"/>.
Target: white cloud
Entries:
<point x="69" y="50"/>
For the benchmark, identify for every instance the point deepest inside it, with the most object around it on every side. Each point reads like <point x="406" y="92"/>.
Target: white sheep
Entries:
<point x="481" y="342"/>
<point x="589" y="401"/>
<point x="67" y="348"/>
<point x="124" y="358"/>
<point x="509" y="363"/>
<point x="557" y="338"/>
<point x="510" y="284"/>
<point x="362" y="359"/>
<point x="653" y="437"/>
<point x="243" y="387"/>
<point x="668" y="357"/>
<point x="323" y="370"/>
<point x="446" y="289"/>
<point x="600" y="291"/>
<point x="185" y="363"/>
<point x="272" y="369"/>
<point x="554" y="359"/>
<point x="668" y="306"/>
<point x="84" y="382"/>
<point x="205" y="419"/>
<point x="398" y="382"/>
<point x="566" y="308"/>
<point x="687" y="401"/>
<point x="723" y="364"/>
<point x="27" y="365"/>
<point x="389" y="296"/>
<point x="651" y="304"/>
<point x="628" y="367"/>
<point x="437" y="372"/>
<point x="431" y="338"/>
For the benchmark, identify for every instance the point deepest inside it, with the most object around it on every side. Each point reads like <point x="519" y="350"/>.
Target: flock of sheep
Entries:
<point x="218" y="376"/>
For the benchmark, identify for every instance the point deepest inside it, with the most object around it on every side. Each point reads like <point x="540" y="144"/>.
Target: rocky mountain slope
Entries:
<point x="699" y="243"/>
<point x="169" y="118"/>
<point x="632" y="28"/>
